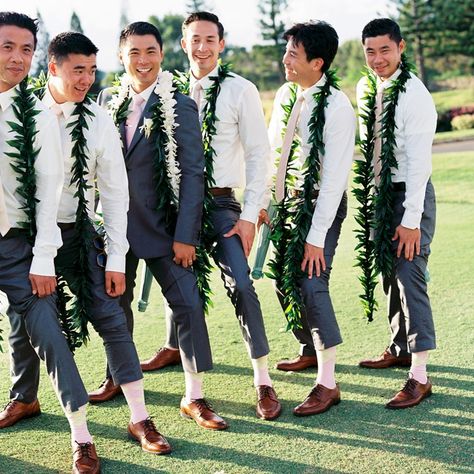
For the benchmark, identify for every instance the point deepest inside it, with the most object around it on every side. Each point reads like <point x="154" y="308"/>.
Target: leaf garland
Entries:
<point x="375" y="211"/>
<point x="294" y="214"/>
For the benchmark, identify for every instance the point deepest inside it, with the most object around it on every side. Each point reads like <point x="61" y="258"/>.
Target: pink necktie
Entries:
<point x="197" y="94"/>
<point x="134" y="117"/>
<point x="285" y="149"/>
<point x="378" y="138"/>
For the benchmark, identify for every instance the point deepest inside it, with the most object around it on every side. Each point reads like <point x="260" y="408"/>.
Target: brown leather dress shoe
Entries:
<point x="202" y="413"/>
<point x="299" y="363"/>
<point x="105" y="392"/>
<point x="147" y="435"/>
<point x="163" y="358"/>
<point x="16" y="411"/>
<point x="387" y="359"/>
<point x="319" y="400"/>
<point x="268" y="406"/>
<point x="85" y="459"/>
<point x="410" y="395"/>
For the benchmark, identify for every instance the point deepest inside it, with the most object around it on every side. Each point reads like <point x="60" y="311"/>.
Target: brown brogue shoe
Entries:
<point x="319" y="400"/>
<point x="268" y="405"/>
<point x="105" y="392"/>
<point x="147" y="435"/>
<point x="410" y="395"/>
<point x="163" y="358"/>
<point x="203" y="414"/>
<point x="16" y="411"/>
<point x="85" y="459"/>
<point x="386" y="360"/>
<point x="299" y="363"/>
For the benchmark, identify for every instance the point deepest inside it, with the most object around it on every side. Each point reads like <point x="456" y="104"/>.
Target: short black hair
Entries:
<point x="319" y="40"/>
<point x="140" y="28"/>
<point x="382" y="27"/>
<point x="204" y="16"/>
<point x="22" y="21"/>
<point x="70" y="42"/>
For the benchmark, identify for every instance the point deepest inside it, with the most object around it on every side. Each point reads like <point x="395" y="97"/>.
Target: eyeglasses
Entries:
<point x="99" y="245"/>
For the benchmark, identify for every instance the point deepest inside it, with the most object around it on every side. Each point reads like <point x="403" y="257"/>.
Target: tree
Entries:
<point x="75" y="24"/>
<point x="349" y="62"/>
<point x="198" y="6"/>
<point x="40" y="59"/>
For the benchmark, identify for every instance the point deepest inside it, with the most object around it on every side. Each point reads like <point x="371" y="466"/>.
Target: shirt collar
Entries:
<point x="6" y="98"/>
<point x="67" y="108"/>
<point x="145" y="94"/>
<point x="307" y="94"/>
<point x="388" y="82"/>
<point x="204" y="81"/>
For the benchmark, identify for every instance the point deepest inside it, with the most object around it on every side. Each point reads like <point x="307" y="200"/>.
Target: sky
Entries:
<point x="100" y="19"/>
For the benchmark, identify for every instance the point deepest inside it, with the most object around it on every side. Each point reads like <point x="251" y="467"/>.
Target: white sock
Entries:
<point x="193" y="383"/>
<point x="260" y="372"/>
<point x="78" y="423"/>
<point x="418" y="366"/>
<point x="135" y="396"/>
<point x="326" y="367"/>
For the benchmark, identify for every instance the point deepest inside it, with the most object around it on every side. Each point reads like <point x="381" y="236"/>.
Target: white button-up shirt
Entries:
<point x="49" y="180"/>
<point x="242" y="158"/>
<point x="105" y="162"/>
<point x="415" y="126"/>
<point x="338" y="137"/>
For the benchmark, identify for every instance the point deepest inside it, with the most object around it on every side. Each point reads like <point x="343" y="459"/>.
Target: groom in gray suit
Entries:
<point x="165" y="167"/>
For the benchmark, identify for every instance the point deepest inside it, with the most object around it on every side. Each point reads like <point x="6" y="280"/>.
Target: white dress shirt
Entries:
<point x="49" y="180"/>
<point x="336" y="163"/>
<point x="105" y="162"/>
<point x="415" y="120"/>
<point x="242" y="158"/>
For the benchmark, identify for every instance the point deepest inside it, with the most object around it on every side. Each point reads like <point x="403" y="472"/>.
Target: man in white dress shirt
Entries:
<point x="409" y="310"/>
<point x="241" y="160"/>
<point x="72" y="67"/>
<point x="311" y="48"/>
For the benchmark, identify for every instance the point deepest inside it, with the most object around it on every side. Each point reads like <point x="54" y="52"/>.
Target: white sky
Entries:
<point x="100" y="18"/>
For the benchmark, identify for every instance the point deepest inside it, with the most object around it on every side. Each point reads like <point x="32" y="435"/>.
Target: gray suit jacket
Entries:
<point x="147" y="233"/>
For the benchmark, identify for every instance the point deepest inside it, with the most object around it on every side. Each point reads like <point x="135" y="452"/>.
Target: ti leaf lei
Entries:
<point x="375" y="210"/>
<point x="294" y="214"/>
<point x="203" y="265"/>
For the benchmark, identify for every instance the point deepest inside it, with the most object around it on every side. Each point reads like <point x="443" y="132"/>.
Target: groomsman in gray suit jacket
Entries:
<point x="165" y="166"/>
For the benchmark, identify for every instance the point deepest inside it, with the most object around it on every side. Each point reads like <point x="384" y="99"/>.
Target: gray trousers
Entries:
<point x="235" y="274"/>
<point x="319" y="329"/>
<point x="108" y="320"/>
<point x="179" y="288"/>
<point x="409" y="309"/>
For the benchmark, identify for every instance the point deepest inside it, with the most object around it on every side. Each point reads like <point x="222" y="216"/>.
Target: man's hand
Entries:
<point x="246" y="231"/>
<point x="410" y="239"/>
<point x="42" y="285"/>
<point x="263" y="218"/>
<point x="184" y="254"/>
<point x="114" y="283"/>
<point x="313" y="257"/>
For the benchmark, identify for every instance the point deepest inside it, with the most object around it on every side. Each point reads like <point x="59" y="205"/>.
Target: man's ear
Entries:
<point x="183" y="45"/>
<point x="402" y="45"/>
<point x="52" y="68"/>
<point x="317" y="64"/>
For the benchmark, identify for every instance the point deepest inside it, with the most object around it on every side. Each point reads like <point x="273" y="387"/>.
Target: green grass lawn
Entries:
<point x="358" y="435"/>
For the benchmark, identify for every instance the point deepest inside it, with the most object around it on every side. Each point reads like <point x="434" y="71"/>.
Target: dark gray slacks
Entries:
<point x="409" y="309"/>
<point x="235" y="273"/>
<point x="179" y="288"/>
<point x="106" y="316"/>
<point x="35" y="329"/>
<point x="319" y="329"/>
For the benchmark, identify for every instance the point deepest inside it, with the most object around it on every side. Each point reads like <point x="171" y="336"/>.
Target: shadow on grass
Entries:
<point x="12" y="465"/>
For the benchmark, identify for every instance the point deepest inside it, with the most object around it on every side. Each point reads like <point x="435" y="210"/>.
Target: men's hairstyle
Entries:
<point x="204" y="16"/>
<point x="70" y="42"/>
<point x="382" y="27"/>
<point x="140" y="28"/>
<point x="21" y="20"/>
<point x="319" y="40"/>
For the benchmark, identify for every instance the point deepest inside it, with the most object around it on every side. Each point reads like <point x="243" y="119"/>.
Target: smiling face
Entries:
<point x="71" y="78"/>
<point x="141" y="56"/>
<point x="383" y="55"/>
<point x="202" y="45"/>
<point x="16" y="53"/>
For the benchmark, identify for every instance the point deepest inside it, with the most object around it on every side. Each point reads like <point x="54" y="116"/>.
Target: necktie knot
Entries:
<point x="57" y="110"/>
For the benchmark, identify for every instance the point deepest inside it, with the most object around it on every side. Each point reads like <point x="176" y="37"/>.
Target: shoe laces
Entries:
<point x="410" y="386"/>
<point x="265" y="391"/>
<point x="86" y="449"/>
<point x="149" y="426"/>
<point x="316" y="391"/>
<point x="202" y="404"/>
<point x="11" y="404"/>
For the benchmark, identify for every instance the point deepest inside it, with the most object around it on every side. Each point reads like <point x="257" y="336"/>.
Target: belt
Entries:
<point x="66" y="225"/>
<point x="217" y="192"/>
<point x="296" y="193"/>
<point x="399" y="186"/>
<point x="15" y="232"/>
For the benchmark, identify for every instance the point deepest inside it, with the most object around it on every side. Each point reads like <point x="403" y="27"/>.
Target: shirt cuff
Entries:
<point x="42" y="266"/>
<point x="316" y="238"/>
<point x="250" y="214"/>
<point x="411" y="220"/>
<point x="115" y="263"/>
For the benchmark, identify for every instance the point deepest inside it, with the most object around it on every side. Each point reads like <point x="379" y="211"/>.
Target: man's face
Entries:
<point x="383" y="55"/>
<point x="71" y="80"/>
<point x="16" y="52"/>
<point x="141" y="57"/>
<point x="297" y="67"/>
<point x="202" y="45"/>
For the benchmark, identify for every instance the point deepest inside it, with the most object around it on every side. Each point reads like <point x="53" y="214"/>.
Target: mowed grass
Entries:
<point x="358" y="435"/>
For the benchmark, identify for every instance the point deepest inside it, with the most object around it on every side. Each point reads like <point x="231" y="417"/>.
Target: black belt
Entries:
<point x="66" y="225"/>
<point x="399" y="186"/>
<point x="218" y="192"/>
<point x="15" y="232"/>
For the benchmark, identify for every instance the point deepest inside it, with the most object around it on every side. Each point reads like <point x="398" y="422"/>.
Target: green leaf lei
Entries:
<point x="375" y="210"/>
<point x="294" y="214"/>
<point x="203" y="266"/>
